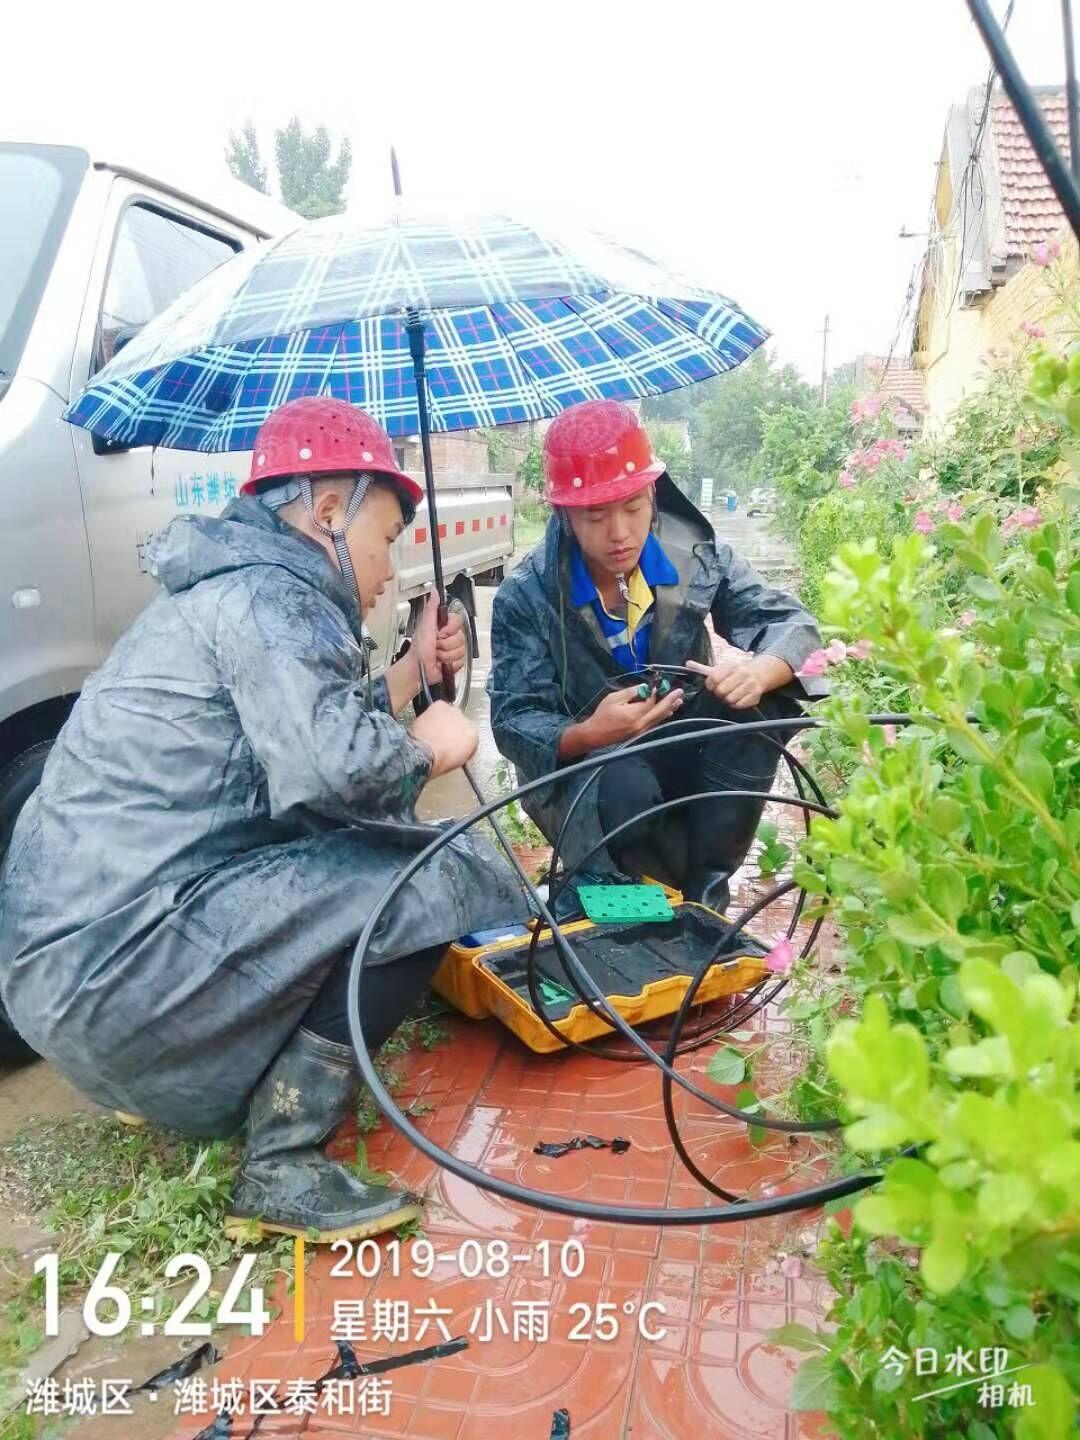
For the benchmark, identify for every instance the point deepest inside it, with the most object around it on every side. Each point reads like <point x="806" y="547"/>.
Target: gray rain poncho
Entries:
<point x="215" y="822"/>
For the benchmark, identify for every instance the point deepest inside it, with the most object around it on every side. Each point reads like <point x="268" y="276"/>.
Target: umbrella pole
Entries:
<point x="414" y="326"/>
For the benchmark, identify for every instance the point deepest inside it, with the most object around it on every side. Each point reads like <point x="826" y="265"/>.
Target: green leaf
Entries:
<point x="727" y="1066"/>
<point x="946" y="815"/>
<point x="1019" y="1321"/>
<point x="984" y="589"/>
<point x="1005" y="1199"/>
<point x="944" y="1262"/>
<point x="798" y="1337"/>
<point x="947" y="892"/>
<point x="990" y="1057"/>
<point x="1036" y="772"/>
<point x="952" y="997"/>
<point x="815" y="1386"/>
<point x="1053" y="1414"/>
<point x="914" y="930"/>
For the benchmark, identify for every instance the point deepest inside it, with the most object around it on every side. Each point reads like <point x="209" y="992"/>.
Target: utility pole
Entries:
<point x="825" y="364"/>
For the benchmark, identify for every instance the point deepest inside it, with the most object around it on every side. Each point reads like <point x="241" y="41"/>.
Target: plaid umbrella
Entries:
<point x="517" y="325"/>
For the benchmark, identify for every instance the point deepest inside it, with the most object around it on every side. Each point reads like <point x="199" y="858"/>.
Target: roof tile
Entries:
<point x="1032" y="212"/>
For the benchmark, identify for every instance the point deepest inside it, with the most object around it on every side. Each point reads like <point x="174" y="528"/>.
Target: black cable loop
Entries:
<point x="563" y="949"/>
<point x="688" y="725"/>
<point x="810" y="1197"/>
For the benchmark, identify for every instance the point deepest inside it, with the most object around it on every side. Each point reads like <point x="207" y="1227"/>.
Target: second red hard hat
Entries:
<point x="596" y="453"/>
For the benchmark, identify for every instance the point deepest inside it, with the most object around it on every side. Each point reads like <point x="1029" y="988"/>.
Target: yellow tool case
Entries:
<point x="643" y="968"/>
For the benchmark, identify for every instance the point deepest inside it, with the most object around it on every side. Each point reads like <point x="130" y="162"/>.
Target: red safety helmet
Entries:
<point x="597" y="452"/>
<point x="318" y="435"/>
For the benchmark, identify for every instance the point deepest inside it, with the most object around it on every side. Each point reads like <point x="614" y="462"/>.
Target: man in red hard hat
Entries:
<point x="625" y="579"/>
<point x="228" y="799"/>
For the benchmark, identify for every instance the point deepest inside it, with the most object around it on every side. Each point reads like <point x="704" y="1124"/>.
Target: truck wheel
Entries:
<point x="464" y="676"/>
<point x="18" y="781"/>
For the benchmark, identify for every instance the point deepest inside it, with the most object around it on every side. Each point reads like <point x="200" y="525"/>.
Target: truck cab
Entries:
<point x="90" y="249"/>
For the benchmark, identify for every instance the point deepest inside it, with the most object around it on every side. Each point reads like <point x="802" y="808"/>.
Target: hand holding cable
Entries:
<point x="620" y="716"/>
<point x="740" y="678"/>
<point x="449" y="734"/>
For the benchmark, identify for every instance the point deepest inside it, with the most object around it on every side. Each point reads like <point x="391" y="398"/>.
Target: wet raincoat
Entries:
<point x="551" y="664"/>
<point x="214" y="825"/>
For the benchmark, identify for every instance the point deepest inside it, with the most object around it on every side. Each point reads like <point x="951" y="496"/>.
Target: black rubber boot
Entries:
<point x="720" y="839"/>
<point x="286" y="1185"/>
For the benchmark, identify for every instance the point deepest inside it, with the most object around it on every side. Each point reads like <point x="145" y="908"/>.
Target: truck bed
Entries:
<point x="476" y="526"/>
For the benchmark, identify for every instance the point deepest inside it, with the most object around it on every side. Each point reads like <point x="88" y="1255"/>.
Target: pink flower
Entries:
<point x="889" y="445"/>
<point x="816" y="663"/>
<point x="860" y="650"/>
<point x="941" y="507"/>
<point x="1033" y="329"/>
<point x="791" y="1267"/>
<point x="1026" y="518"/>
<point x="780" y="956"/>
<point x="955" y="512"/>
<point x="1046" y="252"/>
<point x="835" y="651"/>
<point x="846" y="480"/>
<point x="967" y="619"/>
<point x="923" y="522"/>
<point x="868" y="408"/>
<point x="889" y="731"/>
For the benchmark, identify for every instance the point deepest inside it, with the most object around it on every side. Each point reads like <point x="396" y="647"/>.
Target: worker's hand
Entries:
<point x="449" y="735"/>
<point x="740" y="678"/>
<point x="436" y="648"/>
<point x="622" y="715"/>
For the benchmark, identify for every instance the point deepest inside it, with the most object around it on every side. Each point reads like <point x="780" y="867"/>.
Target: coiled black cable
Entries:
<point x="739" y="1209"/>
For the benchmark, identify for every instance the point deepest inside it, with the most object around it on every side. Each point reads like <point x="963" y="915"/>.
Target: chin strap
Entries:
<point x="363" y="480"/>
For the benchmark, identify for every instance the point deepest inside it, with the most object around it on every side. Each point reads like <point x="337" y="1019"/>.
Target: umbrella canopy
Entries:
<point x="518" y="325"/>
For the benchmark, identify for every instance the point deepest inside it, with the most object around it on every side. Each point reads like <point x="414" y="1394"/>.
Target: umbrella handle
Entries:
<point x="448" y="684"/>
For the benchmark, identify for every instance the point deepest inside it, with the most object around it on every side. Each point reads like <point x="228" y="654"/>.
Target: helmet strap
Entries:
<point x="363" y="481"/>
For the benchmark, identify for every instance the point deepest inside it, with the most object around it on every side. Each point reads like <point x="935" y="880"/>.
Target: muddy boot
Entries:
<point x="720" y="838"/>
<point x="286" y="1184"/>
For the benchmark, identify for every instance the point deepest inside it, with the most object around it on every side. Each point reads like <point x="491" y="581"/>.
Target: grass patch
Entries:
<point x="147" y="1194"/>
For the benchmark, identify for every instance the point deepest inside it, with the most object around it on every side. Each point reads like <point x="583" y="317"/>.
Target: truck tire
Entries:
<point x="456" y="606"/>
<point x="19" y="779"/>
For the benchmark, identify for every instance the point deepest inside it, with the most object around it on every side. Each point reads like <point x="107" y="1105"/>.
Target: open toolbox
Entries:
<point x="643" y="967"/>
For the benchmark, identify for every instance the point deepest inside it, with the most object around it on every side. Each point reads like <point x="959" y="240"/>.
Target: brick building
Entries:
<point x="472" y="452"/>
<point x="992" y="205"/>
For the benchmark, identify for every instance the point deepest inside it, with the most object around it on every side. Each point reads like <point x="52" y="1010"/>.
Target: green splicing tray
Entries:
<point x="624" y="904"/>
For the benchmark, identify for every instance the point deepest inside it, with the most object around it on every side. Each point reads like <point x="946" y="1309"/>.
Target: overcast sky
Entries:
<point x="771" y="148"/>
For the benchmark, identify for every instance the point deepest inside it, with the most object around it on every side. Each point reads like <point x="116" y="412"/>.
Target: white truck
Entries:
<point x="89" y="250"/>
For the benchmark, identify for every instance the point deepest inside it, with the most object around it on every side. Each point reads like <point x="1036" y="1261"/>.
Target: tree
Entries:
<point x="669" y="446"/>
<point x="243" y="158"/>
<point x="311" y="184"/>
<point x="802" y="449"/>
<point x="726" y="414"/>
<point x="727" y="428"/>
